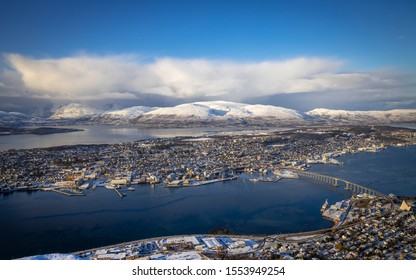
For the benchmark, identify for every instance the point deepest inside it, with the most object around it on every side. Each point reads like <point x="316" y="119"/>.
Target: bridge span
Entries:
<point x="335" y="182"/>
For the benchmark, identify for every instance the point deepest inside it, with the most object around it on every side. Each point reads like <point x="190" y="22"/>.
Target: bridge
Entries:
<point x="336" y="182"/>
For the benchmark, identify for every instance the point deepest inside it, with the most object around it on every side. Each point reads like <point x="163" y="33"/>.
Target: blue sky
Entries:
<point x="369" y="44"/>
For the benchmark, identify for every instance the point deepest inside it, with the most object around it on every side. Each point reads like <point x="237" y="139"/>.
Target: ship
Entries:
<point x="84" y="186"/>
<point x="269" y="179"/>
<point x="324" y="206"/>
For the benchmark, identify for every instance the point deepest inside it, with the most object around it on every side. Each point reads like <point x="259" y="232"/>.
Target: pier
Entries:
<point x="68" y="193"/>
<point x="119" y="193"/>
<point x="199" y="183"/>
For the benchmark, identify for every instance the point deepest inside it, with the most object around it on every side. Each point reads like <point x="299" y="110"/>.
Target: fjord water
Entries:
<point x="44" y="222"/>
<point x="95" y="135"/>
<point x="390" y="171"/>
<point x="106" y="135"/>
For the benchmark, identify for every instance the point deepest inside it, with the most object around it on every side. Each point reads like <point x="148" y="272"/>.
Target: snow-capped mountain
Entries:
<point x="219" y="112"/>
<point x="14" y="118"/>
<point x="213" y="113"/>
<point x="215" y="109"/>
<point x="122" y="116"/>
<point x="364" y="117"/>
<point x="127" y="113"/>
<point x="74" y="111"/>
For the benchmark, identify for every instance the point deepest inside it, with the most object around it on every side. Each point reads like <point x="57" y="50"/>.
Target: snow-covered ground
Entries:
<point x="74" y="111"/>
<point x="53" y="257"/>
<point x="225" y="110"/>
<point x="297" y="238"/>
<point x="128" y="113"/>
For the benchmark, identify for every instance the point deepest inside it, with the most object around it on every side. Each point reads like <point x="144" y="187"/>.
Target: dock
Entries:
<point x="119" y="193"/>
<point x="68" y="193"/>
<point x="200" y="183"/>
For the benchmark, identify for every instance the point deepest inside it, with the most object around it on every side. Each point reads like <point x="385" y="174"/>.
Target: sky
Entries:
<point x="354" y="55"/>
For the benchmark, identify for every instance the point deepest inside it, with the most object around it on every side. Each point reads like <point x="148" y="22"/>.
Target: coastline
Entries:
<point x="260" y="190"/>
<point x="7" y="131"/>
<point x="259" y="240"/>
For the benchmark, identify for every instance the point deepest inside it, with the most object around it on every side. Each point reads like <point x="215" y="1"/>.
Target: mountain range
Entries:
<point x="213" y="113"/>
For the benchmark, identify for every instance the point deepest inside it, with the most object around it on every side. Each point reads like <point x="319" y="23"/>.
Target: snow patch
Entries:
<point x="398" y="115"/>
<point x="128" y="113"/>
<point x="53" y="257"/>
<point x="74" y="111"/>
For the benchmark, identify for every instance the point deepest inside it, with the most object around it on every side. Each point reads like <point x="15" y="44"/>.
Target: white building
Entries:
<point x="211" y="242"/>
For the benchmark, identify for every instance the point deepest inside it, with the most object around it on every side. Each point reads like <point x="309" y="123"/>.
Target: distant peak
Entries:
<point x="74" y="111"/>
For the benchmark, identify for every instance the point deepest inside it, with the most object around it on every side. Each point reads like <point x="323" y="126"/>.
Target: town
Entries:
<point x="187" y="161"/>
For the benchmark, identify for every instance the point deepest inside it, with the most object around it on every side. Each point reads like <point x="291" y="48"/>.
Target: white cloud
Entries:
<point x="91" y="77"/>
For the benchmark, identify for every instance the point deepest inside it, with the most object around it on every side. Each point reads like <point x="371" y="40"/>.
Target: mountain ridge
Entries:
<point x="377" y="116"/>
<point x="208" y="113"/>
<point x="74" y="111"/>
<point x="219" y="113"/>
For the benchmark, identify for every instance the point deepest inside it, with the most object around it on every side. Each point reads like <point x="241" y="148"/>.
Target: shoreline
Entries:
<point x="294" y="238"/>
<point x="285" y="237"/>
<point x="44" y="130"/>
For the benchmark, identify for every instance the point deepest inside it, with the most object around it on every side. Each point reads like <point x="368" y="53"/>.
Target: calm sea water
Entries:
<point x="95" y="135"/>
<point x="103" y="135"/>
<point x="390" y="171"/>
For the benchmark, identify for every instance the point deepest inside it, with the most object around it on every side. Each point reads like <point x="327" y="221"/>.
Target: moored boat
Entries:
<point x="84" y="186"/>
<point x="269" y="179"/>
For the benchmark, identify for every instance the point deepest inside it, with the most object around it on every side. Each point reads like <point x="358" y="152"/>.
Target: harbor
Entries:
<point x="182" y="183"/>
<point x="349" y="216"/>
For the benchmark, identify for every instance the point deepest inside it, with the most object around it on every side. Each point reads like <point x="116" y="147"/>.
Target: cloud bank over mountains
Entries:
<point x="127" y="77"/>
